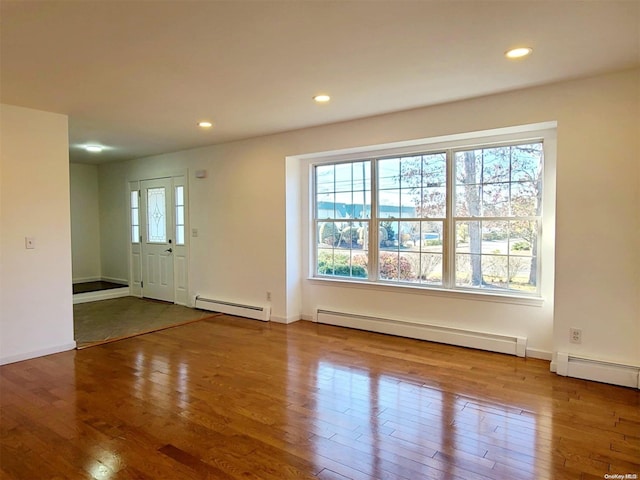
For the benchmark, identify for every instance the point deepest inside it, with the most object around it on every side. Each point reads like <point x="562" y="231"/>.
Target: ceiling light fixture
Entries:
<point x="518" y="52"/>
<point x="322" y="98"/>
<point x="205" y="124"/>
<point x="94" y="148"/>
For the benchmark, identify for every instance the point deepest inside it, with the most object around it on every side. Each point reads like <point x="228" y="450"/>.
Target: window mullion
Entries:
<point x="449" y="225"/>
<point x="374" y="244"/>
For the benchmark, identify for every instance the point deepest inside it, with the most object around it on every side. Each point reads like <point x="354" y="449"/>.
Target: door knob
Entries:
<point x="169" y="250"/>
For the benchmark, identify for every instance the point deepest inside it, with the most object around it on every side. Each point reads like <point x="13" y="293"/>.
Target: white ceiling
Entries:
<point x="136" y="76"/>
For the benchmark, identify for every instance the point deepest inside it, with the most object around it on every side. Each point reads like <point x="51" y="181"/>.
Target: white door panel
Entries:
<point x="157" y="242"/>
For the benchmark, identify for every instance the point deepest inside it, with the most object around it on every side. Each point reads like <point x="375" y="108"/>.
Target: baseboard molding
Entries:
<point x="539" y="354"/>
<point x="123" y="281"/>
<point x="509" y="344"/>
<point x="100" y="295"/>
<point x="86" y="279"/>
<point x="37" y="353"/>
<point x="568" y="365"/>
<point x="285" y="320"/>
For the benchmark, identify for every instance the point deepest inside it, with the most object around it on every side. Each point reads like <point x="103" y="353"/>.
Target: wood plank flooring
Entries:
<point x="229" y="398"/>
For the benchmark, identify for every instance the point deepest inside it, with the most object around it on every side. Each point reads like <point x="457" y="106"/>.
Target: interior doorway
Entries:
<point x="158" y="242"/>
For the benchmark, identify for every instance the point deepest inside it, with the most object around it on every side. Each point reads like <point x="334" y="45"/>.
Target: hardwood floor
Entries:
<point x="235" y="398"/>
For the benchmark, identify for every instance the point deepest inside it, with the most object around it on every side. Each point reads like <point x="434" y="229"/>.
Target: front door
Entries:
<point x="157" y="239"/>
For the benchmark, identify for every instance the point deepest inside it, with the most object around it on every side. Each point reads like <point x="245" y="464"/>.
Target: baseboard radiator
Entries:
<point x="512" y="345"/>
<point x="588" y="369"/>
<point x="256" y="312"/>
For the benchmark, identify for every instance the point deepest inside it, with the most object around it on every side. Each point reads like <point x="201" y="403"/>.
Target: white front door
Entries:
<point x="157" y="228"/>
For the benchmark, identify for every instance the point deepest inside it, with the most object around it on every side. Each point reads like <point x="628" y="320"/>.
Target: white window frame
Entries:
<point x="544" y="132"/>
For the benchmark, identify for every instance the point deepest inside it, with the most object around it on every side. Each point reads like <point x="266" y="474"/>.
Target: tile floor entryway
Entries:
<point x="110" y="320"/>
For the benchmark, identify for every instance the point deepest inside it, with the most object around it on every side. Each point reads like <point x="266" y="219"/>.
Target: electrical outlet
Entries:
<point x="575" y="335"/>
<point x="268" y="296"/>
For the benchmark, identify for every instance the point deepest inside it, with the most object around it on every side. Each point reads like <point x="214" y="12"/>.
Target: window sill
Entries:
<point x="461" y="294"/>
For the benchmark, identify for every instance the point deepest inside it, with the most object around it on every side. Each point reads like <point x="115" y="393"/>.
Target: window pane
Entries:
<point x="495" y="271"/>
<point x="431" y="234"/>
<point x="495" y="200"/>
<point x="343" y="177"/>
<point x="495" y="237"/>
<point x="389" y="173"/>
<point x="324" y="178"/>
<point x="495" y="164"/>
<point x="525" y="199"/>
<point x="389" y="204"/>
<point x="135" y="219"/>
<point x="468" y="237"/>
<point x="362" y="175"/>
<point x="180" y="235"/>
<point x="388" y="235"/>
<point x="434" y="202"/>
<point x="179" y="215"/>
<point x="156" y="215"/>
<point x="468" y="167"/>
<point x="431" y="269"/>
<point x="467" y="200"/>
<point x="325" y="205"/>
<point x="343" y="190"/>
<point x="409" y="201"/>
<point x="468" y="270"/>
<point x="180" y="195"/>
<point x="342" y="249"/>
<point x="526" y="162"/>
<point x="434" y="167"/>
<point x="523" y="237"/>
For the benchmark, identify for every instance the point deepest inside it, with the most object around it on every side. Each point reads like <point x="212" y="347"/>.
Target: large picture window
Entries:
<point x="463" y="218"/>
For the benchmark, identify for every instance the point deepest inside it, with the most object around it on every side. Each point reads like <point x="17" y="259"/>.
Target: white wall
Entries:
<point x="85" y="222"/>
<point x="36" y="313"/>
<point x="244" y="236"/>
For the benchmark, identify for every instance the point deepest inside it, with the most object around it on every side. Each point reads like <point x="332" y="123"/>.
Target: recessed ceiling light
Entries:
<point x="205" y="124"/>
<point x="322" y="98"/>
<point x="518" y="52"/>
<point x="94" y="148"/>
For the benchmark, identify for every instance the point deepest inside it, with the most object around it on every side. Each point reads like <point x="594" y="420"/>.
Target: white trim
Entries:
<point x="545" y="131"/>
<point x="285" y="320"/>
<point x="101" y="295"/>
<point x="539" y="354"/>
<point x="86" y="280"/>
<point x="509" y="344"/>
<point x="433" y="143"/>
<point x="123" y="281"/>
<point x="568" y="365"/>
<point x="458" y="293"/>
<point x="37" y="353"/>
<point x="135" y="183"/>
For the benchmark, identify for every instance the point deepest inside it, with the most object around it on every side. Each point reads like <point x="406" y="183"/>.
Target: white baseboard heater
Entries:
<point x="589" y="369"/>
<point x="256" y="312"/>
<point x="512" y="345"/>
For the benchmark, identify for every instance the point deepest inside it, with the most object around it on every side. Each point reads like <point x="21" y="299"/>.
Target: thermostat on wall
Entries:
<point x="201" y="174"/>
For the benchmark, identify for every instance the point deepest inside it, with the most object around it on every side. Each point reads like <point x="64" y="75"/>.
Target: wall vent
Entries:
<point x="256" y="312"/>
<point x="512" y="345"/>
<point x="600" y="371"/>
